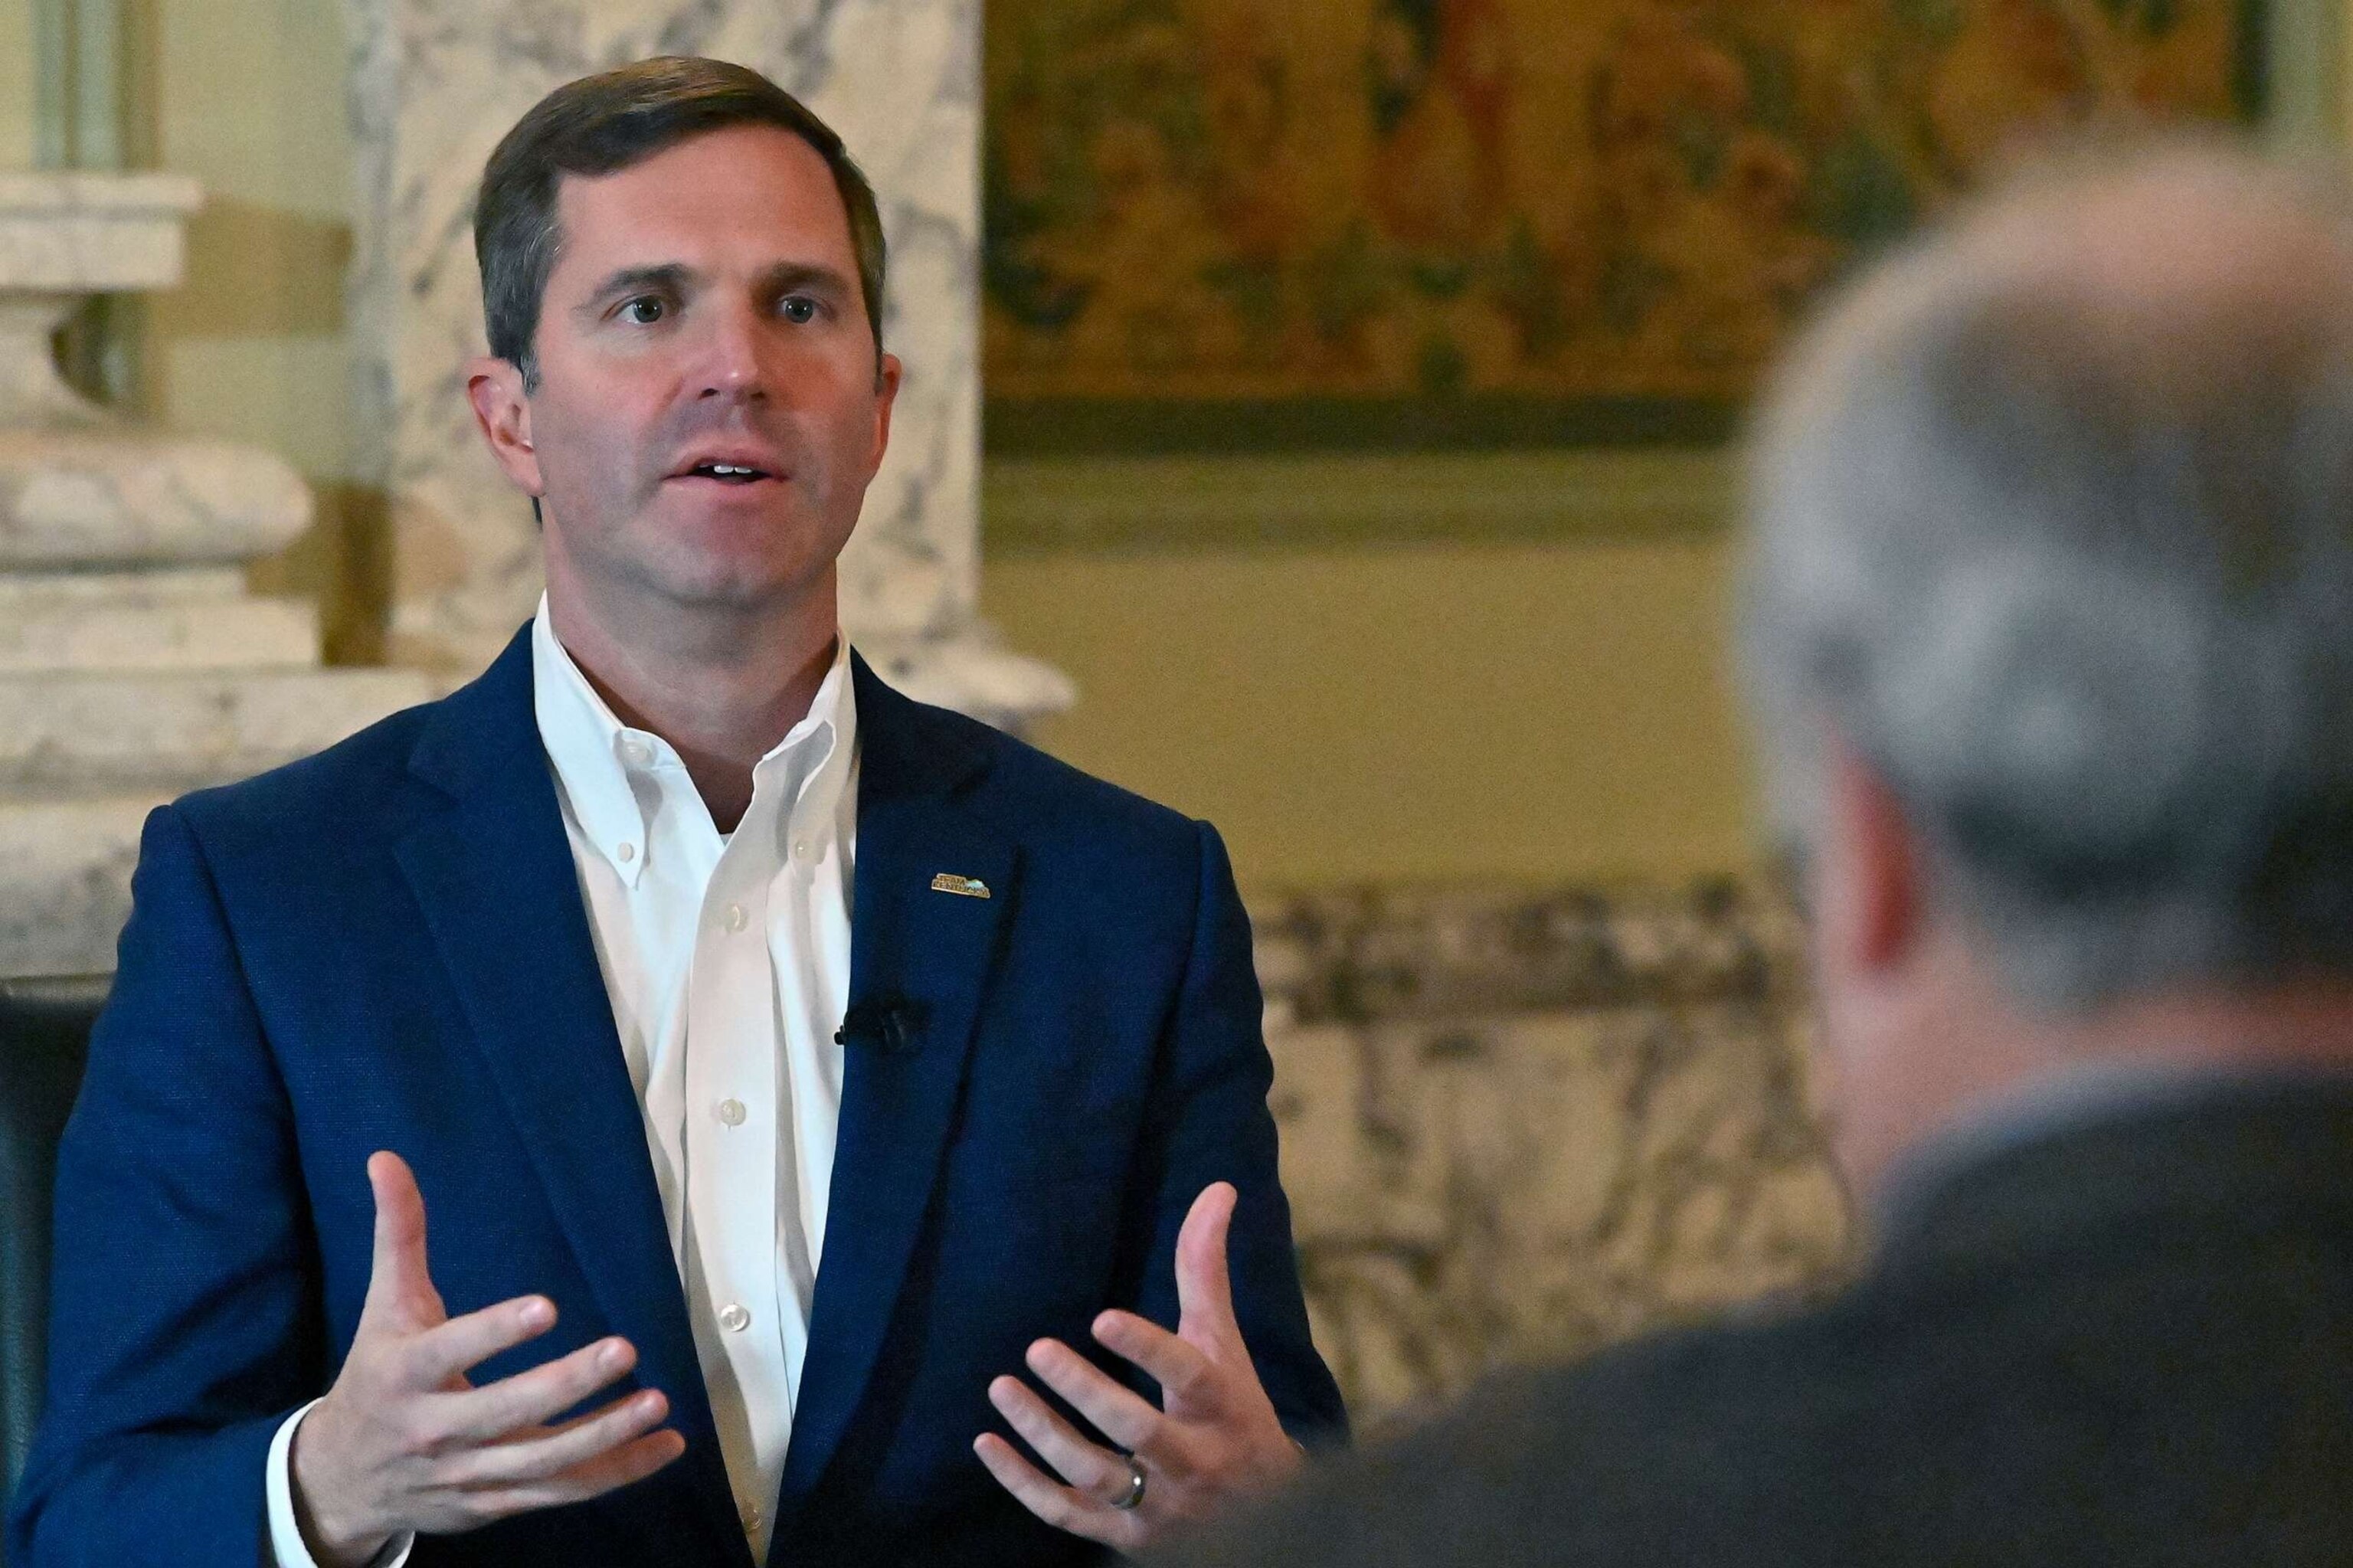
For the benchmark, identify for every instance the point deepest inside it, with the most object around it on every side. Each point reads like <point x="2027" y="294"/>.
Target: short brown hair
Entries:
<point x="602" y="124"/>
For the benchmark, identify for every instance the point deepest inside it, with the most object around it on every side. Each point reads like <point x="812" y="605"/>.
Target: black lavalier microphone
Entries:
<point x="889" y="1023"/>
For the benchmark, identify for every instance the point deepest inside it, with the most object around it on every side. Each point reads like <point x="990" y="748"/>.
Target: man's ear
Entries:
<point x="1870" y="883"/>
<point x="888" y="373"/>
<point x="494" y="387"/>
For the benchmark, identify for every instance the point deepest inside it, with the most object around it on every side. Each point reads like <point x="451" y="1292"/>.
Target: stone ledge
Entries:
<point x="105" y="193"/>
<point x="42" y="593"/>
<point x="157" y="635"/>
<point x="81" y="732"/>
<point x="1390" y="954"/>
<point x="93" y="233"/>
<point x="112" y="496"/>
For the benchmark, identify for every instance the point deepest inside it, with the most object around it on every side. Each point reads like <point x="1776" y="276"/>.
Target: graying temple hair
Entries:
<point x="2074" y="575"/>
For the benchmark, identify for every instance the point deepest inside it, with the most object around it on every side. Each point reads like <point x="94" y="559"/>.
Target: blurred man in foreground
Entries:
<point x="2050" y="621"/>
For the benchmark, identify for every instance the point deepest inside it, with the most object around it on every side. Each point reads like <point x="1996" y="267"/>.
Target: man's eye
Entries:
<point x="799" y="308"/>
<point x="644" y="311"/>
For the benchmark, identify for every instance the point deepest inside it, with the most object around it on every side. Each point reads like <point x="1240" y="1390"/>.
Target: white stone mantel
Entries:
<point x="80" y="487"/>
<point x="64" y="236"/>
<point x="134" y="664"/>
<point x="435" y="84"/>
<point x="93" y="233"/>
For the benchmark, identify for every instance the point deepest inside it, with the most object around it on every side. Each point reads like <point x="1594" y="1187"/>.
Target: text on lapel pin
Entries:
<point x="962" y="887"/>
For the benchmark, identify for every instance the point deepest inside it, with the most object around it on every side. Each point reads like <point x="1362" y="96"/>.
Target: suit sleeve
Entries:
<point x="184" y="1317"/>
<point x="1210" y="1122"/>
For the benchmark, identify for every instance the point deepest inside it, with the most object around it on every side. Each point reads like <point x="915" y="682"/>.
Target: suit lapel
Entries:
<point x="930" y="951"/>
<point x="495" y="878"/>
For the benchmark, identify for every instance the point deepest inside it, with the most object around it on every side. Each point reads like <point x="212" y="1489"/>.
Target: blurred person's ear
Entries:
<point x="1866" y="887"/>
<point x="1868" y="932"/>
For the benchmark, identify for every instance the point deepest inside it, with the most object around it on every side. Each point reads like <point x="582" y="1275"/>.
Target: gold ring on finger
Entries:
<point x="1133" y="1497"/>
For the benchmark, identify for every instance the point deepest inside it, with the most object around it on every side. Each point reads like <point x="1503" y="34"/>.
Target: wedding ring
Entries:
<point x="1135" y="1479"/>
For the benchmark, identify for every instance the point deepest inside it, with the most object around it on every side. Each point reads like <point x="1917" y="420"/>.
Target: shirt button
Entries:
<point x="801" y="850"/>
<point x="731" y="1111"/>
<point x="627" y="853"/>
<point x="751" y="1519"/>
<point x="636" y="751"/>
<point x="735" y="1318"/>
<point x="736" y="919"/>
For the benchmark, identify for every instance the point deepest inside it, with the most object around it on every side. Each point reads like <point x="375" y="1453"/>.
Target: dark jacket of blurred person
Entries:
<point x="2129" y="1343"/>
<point x="2047" y="623"/>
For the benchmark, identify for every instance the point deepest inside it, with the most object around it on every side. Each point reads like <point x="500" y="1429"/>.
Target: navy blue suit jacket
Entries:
<point x="385" y="946"/>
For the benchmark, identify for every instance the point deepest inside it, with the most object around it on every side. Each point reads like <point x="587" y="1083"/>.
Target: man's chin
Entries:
<point x="721" y="587"/>
<point x="687" y="572"/>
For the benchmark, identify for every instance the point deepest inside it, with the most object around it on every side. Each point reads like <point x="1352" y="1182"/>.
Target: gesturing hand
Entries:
<point x="1214" y="1439"/>
<point x="403" y="1443"/>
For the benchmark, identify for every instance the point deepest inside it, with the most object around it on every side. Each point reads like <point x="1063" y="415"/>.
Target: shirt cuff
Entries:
<point x="287" y="1549"/>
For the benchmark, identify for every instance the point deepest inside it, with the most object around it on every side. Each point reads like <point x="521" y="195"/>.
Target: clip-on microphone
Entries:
<point x="891" y="1022"/>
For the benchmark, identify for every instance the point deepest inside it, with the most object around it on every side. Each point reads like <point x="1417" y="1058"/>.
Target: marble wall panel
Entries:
<point x="65" y="870"/>
<point x="434" y="83"/>
<point x="1517" y="1126"/>
<point x="134" y="664"/>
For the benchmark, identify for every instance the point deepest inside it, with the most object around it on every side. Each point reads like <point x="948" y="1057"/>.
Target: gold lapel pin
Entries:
<point x="962" y="887"/>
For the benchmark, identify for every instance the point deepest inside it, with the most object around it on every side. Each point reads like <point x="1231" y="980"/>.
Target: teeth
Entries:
<point x="729" y="470"/>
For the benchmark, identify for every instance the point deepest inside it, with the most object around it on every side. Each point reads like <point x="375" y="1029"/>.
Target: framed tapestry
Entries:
<point x="1240" y="225"/>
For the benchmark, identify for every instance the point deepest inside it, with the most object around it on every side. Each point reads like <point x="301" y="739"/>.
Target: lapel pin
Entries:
<point x="962" y="887"/>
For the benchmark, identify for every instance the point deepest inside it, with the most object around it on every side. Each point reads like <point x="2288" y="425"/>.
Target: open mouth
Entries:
<point x="727" y="473"/>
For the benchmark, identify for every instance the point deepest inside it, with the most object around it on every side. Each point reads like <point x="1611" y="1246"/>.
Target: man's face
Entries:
<point x="710" y="409"/>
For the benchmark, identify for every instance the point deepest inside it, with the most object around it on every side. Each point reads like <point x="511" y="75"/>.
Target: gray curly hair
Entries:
<point x="2053" y="525"/>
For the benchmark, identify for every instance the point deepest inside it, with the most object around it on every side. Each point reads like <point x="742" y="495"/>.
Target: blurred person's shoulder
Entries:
<point x="1670" y="1448"/>
<point x="1854" y="1428"/>
<point x="2161" y="1390"/>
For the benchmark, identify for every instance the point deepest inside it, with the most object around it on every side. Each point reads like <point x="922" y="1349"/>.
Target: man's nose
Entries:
<point x="731" y="366"/>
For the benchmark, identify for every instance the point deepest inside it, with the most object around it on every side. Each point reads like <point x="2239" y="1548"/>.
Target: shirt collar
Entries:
<point x="611" y="774"/>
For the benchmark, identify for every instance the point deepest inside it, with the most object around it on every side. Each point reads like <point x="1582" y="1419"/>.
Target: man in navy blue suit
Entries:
<point x="782" y="1063"/>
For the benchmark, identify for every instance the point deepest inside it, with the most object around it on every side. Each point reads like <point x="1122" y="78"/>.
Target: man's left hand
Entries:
<point x="1214" y="1440"/>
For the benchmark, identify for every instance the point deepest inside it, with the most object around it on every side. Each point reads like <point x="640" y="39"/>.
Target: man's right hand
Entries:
<point x="403" y="1443"/>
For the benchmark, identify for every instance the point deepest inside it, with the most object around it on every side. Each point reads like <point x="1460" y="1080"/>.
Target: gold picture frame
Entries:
<point x="1222" y="226"/>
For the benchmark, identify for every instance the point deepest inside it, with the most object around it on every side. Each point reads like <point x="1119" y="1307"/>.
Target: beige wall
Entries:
<point x="249" y="98"/>
<point x="15" y="84"/>
<point x="1526" y="713"/>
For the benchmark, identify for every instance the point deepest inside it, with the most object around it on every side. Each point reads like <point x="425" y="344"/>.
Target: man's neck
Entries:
<point x="721" y="689"/>
<point x="1967" y="1049"/>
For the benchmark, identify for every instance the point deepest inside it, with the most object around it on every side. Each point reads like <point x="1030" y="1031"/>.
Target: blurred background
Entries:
<point x="1353" y="384"/>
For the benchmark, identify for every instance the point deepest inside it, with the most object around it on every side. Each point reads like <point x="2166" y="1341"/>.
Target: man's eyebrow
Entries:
<point x="786" y="277"/>
<point x="670" y="277"/>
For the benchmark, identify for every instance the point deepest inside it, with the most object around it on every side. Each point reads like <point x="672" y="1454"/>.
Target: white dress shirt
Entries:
<point x="726" y="958"/>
